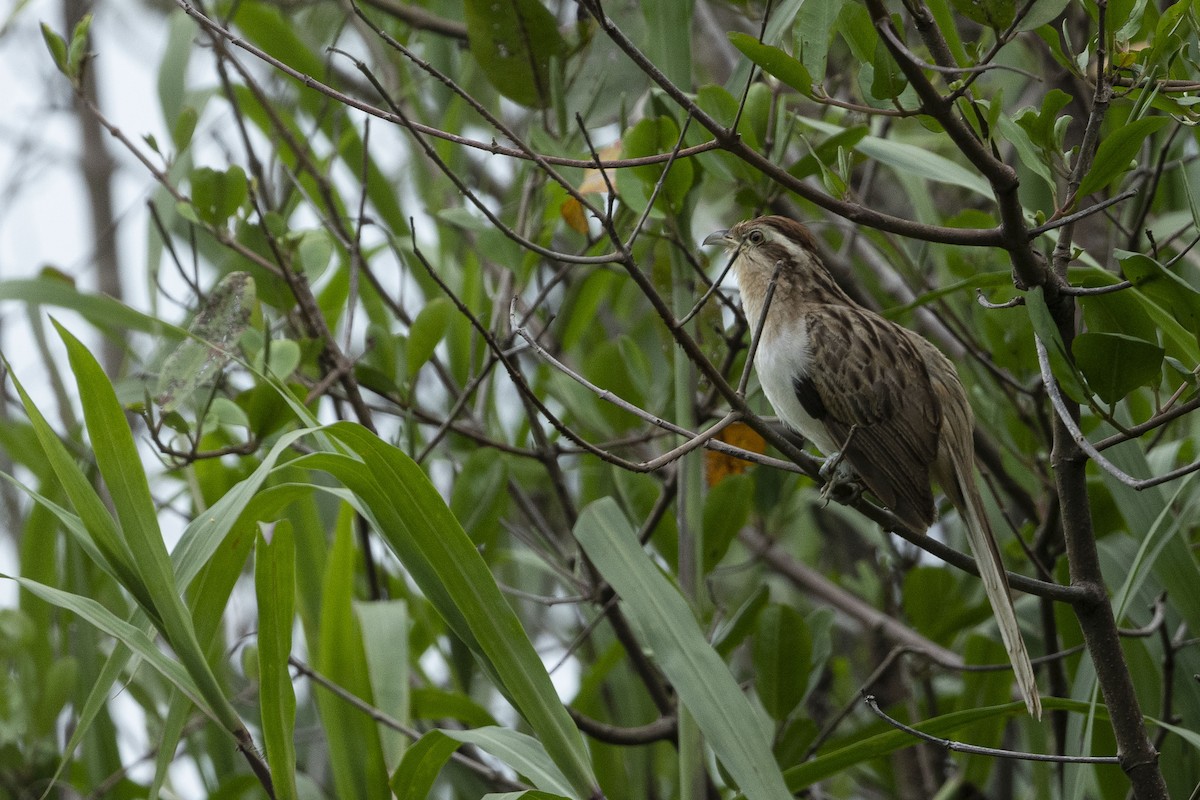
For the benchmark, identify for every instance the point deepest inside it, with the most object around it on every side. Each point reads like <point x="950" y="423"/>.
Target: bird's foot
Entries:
<point x="841" y="481"/>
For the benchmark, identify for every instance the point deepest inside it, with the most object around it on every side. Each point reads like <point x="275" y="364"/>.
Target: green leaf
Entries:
<point x="925" y="591"/>
<point x="813" y="31"/>
<point x="888" y="80"/>
<point x="782" y="658"/>
<point x="79" y="43"/>
<point x="111" y="316"/>
<point x="726" y="510"/>
<point x="996" y="14"/>
<point x="184" y="127"/>
<point x="284" y="358"/>
<point x="774" y="62"/>
<point x="413" y="519"/>
<point x="520" y="751"/>
<point x="515" y="43"/>
<point x="669" y="51"/>
<point x="220" y="322"/>
<point x="275" y="591"/>
<point x="701" y="679"/>
<point x="1064" y="369"/>
<point x="1115" y="155"/>
<point x="57" y="47"/>
<point x="93" y="527"/>
<point x="314" y="250"/>
<point x="172" y="70"/>
<point x="120" y="465"/>
<point x="422" y="763"/>
<point x="355" y="752"/>
<point x="910" y="159"/>
<point x="855" y="25"/>
<point x="1115" y="364"/>
<point x="480" y="496"/>
<point x="1164" y="287"/>
<point x="827" y="151"/>
<point x="652" y="136"/>
<point x="129" y="635"/>
<point x="739" y="625"/>
<point x="217" y="195"/>
<point x="426" y="331"/>
<point x="1030" y="156"/>
<point x="1041" y="13"/>
<point x="385" y="627"/>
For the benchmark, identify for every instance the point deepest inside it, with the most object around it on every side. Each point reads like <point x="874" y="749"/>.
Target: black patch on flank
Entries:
<point x="810" y="400"/>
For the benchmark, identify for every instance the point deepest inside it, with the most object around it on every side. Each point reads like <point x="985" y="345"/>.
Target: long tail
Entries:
<point x="995" y="583"/>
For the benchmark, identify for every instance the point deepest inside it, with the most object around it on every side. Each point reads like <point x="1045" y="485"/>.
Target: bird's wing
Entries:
<point x="868" y="384"/>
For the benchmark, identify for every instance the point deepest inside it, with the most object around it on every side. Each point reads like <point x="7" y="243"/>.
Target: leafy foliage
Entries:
<point x="461" y="408"/>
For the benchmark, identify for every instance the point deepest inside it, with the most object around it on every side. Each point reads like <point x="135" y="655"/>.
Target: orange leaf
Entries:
<point x="572" y="212"/>
<point x="718" y="466"/>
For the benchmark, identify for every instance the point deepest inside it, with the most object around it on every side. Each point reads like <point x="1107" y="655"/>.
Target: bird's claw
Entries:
<point x="841" y="482"/>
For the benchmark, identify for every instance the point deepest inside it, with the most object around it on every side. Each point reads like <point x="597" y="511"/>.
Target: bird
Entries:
<point x="881" y="402"/>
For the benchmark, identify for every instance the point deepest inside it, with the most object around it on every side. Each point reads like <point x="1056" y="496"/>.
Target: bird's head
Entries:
<point x="760" y="245"/>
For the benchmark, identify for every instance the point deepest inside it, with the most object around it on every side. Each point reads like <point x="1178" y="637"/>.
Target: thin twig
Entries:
<point x="960" y="747"/>
<point x="1060" y="408"/>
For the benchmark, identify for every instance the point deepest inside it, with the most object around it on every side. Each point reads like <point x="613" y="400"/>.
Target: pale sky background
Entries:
<point x="43" y="206"/>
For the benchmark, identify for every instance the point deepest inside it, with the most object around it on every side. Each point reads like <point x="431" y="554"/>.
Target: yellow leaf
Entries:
<point x="572" y="212"/>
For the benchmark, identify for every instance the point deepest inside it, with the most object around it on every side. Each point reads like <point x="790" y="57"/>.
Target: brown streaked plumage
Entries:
<point x="853" y="382"/>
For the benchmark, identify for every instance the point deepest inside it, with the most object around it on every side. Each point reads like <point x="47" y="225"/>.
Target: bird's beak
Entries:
<point x="720" y="237"/>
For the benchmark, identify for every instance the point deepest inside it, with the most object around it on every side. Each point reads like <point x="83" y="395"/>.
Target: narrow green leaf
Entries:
<point x="888" y="81"/>
<point x="79" y="43"/>
<point x="385" y="627"/>
<point x="996" y="14"/>
<point x="515" y="43"/>
<point x="184" y="127"/>
<point x="1061" y="364"/>
<point x="700" y="677"/>
<point x="107" y="546"/>
<point x="429" y="702"/>
<point x="1164" y="287"/>
<point x="426" y="331"/>
<point x="275" y="590"/>
<point x="111" y="316"/>
<point x="910" y="159"/>
<point x="415" y="522"/>
<point x="1031" y="157"/>
<point x="422" y="763"/>
<point x="120" y="466"/>
<point x="480" y="496"/>
<point x="127" y="634"/>
<point x="1115" y="364"/>
<point x="1042" y="12"/>
<point x="813" y="31"/>
<point x="668" y="39"/>
<point x="738" y="626"/>
<point x="355" y="754"/>
<point x="172" y="70"/>
<point x="774" y="62"/>
<point x="1116" y="152"/>
<point x="726" y="510"/>
<point x="57" y="47"/>
<point x="520" y="751"/>
<point x="782" y="657"/>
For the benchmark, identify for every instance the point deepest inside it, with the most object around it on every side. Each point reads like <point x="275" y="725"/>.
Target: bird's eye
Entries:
<point x="755" y="237"/>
